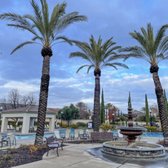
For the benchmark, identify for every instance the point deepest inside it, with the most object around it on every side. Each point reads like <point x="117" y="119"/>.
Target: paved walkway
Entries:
<point x="75" y="156"/>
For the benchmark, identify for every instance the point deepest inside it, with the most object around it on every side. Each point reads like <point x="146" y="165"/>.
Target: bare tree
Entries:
<point x="14" y="98"/>
<point x="83" y="110"/>
<point x="24" y="100"/>
<point x="154" y="110"/>
<point x="28" y="100"/>
<point x="3" y="104"/>
<point x="31" y="99"/>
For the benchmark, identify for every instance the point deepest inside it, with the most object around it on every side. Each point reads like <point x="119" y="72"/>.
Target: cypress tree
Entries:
<point x="146" y="110"/>
<point x="165" y="102"/>
<point x="102" y="110"/>
<point x="129" y="101"/>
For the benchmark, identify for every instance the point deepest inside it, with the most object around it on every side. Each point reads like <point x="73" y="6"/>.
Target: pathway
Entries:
<point x="75" y="156"/>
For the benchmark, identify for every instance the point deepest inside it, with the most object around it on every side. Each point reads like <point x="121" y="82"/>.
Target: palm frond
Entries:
<point x="159" y="36"/>
<point x="64" y="39"/>
<point x="22" y="45"/>
<point x="68" y="19"/>
<point x="36" y="24"/>
<point x="22" y="27"/>
<point x="79" y="54"/>
<point x="163" y="44"/>
<point x="37" y="11"/>
<point x="37" y="38"/>
<point x="45" y="14"/>
<point x="91" y="66"/>
<point x="58" y="11"/>
<point x="144" y="32"/>
<point x="111" y="65"/>
<point x="111" y="51"/>
<point x="85" y="47"/>
<point x="140" y="39"/>
<point x="83" y="66"/>
<point x="15" y="18"/>
<point x="120" y="65"/>
<point x="97" y="53"/>
<point x="152" y="48"/>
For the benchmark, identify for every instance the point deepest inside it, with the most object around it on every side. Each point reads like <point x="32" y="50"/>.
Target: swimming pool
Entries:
<point x="153" y="134"/>
<point x="31" y="136"/>
<point x="47" y="134"/>
<point x="147" y="134"/>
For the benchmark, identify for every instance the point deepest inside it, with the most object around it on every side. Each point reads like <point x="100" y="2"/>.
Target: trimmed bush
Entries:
<point x="105" y="127"/>
<point x="81" y="124"/>
<point x="74" y="126"/>
<point x="151" y="128"/>
<point x="64" y="125"/>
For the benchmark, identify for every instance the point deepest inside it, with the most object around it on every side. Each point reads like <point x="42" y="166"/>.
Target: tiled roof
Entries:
<point x="33" y="109"/>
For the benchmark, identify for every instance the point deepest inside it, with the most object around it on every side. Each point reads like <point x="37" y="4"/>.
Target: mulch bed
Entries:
<point x="22" y="155"/>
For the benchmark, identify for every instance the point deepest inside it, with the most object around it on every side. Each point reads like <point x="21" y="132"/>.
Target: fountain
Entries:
<point x="130" y="148"/>
<point x="130" y="131"/>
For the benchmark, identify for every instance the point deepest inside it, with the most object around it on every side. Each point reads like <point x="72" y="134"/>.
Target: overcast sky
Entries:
<point x="108" y="18"/>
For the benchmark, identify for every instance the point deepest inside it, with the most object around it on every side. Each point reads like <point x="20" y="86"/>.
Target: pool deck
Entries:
<point x="75" y="156"/>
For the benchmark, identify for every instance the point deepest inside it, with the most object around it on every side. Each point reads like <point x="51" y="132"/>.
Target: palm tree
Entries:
<point x="45" y="29"/>
<point x="98" y="55"/>
<point x="152" y="48"/>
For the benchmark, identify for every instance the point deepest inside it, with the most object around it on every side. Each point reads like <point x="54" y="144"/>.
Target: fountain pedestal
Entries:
<point x="131" y="132"/>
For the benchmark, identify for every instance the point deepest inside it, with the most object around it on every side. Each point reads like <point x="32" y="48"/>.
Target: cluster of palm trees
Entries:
<point x="47" y="28"/>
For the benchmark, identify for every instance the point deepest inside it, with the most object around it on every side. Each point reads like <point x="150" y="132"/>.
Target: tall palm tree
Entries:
<point x="152" y="48"/>
<point x="98" y="55"/>
<point x="45" y="29"/>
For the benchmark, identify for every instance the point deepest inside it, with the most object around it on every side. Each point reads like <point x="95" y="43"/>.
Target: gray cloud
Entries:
<point x="111" y="18"/>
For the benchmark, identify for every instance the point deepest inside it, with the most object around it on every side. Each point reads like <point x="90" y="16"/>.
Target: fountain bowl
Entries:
<point x="138" y="150"/>
<point x="132" y="132"/>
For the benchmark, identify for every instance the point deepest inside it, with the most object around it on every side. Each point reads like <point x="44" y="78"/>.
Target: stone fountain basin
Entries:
<point x="134" y="131"/>
<point x="140" y="150"/>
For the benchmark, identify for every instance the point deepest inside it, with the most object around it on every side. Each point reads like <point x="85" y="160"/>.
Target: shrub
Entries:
<point x="74" y="126"/>
<point x="64" y="125"/>
<point x="151" y="128"/>
<point x="33" y="148"/>
<point x="81" y="124"/>
<point x="105" y="127"/>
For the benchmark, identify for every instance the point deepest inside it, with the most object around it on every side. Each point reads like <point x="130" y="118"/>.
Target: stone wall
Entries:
<point x="101" y="136"/>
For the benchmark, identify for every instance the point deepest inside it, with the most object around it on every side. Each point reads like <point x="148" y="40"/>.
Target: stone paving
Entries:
<point x="75" y="156"/>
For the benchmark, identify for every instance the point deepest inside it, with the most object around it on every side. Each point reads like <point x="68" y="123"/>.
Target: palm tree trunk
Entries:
<point x="46" y="53"/>
<point x="96" y="110"/>
<point x="161" y="106"/>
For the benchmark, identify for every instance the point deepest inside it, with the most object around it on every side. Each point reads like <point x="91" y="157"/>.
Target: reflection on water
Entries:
<point x="152" y="163"/>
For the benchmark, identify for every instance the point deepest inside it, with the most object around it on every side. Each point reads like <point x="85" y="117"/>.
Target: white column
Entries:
<point x="31" y="122"/>
<point x="52" y="124"/>
<point x="26" y="124"/>
<point x="4" y="124"/>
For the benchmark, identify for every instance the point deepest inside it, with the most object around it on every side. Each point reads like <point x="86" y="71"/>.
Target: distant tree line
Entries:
<point x="15" y="100"/>
<point x="78" y="111"/>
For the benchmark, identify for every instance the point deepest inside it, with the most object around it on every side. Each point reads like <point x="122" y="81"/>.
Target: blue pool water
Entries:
<point x="153" y="134"/>
<point x="147" y="134"/>
<point x="30" y="136"/>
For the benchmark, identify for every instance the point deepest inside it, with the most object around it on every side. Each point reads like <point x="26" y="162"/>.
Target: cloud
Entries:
<point x="116" y="18"/>
<point x="23" y="87"/>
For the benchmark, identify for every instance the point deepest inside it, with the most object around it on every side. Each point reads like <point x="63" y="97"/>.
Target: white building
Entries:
<point x="27" y="116"/>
